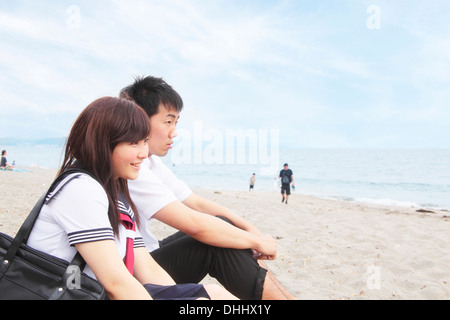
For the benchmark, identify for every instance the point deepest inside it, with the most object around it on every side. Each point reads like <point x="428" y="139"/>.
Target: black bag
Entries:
<point x="29" y="274"/>
<point x="285" y="176"/>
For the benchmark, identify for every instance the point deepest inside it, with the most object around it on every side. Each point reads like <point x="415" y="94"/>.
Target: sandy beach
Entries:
<point x="327" y="249"/>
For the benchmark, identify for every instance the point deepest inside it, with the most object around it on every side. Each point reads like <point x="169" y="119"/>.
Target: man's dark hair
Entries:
<point x="151" y="92"/>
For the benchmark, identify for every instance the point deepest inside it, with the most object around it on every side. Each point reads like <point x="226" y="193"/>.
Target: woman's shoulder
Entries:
<point x="83" y="186"/>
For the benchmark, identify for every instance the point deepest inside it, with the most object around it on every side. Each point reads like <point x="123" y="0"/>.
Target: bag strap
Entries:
<point x="25" y="230"/>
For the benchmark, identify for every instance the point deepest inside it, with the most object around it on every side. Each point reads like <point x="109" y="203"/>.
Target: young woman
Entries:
<point x="109" y="140"/>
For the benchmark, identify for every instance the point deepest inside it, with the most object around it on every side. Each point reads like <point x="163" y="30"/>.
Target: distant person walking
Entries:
<point x="252" y="182"/>
<point x="287" y="177"/>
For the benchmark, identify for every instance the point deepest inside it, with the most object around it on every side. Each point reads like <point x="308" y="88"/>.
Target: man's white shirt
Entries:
<point x="156" y="187"/>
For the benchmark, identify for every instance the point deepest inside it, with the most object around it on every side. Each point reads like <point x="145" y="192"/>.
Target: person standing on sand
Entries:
<point x="287" y="177"/>
<point x="252" y="182"/>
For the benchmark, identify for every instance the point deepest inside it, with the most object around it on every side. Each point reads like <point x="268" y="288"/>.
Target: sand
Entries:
<point x="327" y="249"/>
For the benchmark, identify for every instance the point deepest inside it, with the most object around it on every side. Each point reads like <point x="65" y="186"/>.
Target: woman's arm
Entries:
<point x="104" y="260"/>
<point x="147" y="270"/>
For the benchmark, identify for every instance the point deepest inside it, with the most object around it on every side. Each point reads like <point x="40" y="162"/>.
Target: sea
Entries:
<point x="394" y="177"/>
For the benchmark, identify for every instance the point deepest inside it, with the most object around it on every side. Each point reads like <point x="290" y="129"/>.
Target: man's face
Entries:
<point x="163" y="127"/>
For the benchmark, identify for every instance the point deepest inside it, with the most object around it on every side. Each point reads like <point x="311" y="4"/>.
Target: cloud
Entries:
<point x="191" y="33"/>
<point x="310" y="69"/>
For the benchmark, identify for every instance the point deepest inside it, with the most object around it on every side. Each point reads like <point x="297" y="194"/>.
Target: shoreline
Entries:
<point x="327" y="249"/>
<point x="331" y="249"/>
<point x="395" y="203"/>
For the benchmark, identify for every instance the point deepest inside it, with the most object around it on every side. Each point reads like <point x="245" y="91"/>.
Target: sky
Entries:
<point x="325" y="73"/>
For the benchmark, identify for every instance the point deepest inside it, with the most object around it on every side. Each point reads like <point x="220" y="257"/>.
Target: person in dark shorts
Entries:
<point x="252" y="182"/>
<point x="287" y="177"/>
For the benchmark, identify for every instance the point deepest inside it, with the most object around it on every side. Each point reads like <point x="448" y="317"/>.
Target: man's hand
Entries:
<point x="267" y="249"/>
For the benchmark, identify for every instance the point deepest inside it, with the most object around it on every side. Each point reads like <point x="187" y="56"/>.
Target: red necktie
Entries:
<point x="129" y="256"/>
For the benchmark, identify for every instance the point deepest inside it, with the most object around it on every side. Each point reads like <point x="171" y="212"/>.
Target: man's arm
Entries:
<point x="197" y="203"/>
<point x="215" y="232"/>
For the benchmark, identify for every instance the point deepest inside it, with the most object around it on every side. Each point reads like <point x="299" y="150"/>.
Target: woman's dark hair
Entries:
<point x="150" y="92"/>
<point x="100" y="127"/>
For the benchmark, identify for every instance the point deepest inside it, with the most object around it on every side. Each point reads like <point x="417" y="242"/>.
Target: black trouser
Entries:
<point x="189" y="261"/>
<point x="286" y="188"/>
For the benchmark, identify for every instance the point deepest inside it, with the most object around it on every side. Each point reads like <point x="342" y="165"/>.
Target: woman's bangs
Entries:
<point x="137" y="126"/>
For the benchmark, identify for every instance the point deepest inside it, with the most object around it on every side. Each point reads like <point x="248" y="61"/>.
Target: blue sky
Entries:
<point x="324" y="73"/>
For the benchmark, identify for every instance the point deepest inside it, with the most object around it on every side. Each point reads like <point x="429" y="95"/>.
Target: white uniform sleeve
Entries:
<point x="81" y="210"/>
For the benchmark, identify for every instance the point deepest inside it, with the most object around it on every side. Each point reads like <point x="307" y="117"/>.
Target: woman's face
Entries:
<point x="127" y="158"/>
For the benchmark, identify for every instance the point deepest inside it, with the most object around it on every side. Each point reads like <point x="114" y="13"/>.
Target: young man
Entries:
<point x="230" y="251"/>
<point x="287" y="177"/>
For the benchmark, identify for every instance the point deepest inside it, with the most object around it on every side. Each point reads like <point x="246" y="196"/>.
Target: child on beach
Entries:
<point x="109" y="140"/>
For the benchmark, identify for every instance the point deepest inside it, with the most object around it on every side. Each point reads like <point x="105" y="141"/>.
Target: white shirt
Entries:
<point x="155" y="188"/>
<point x="78" y="213"/>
